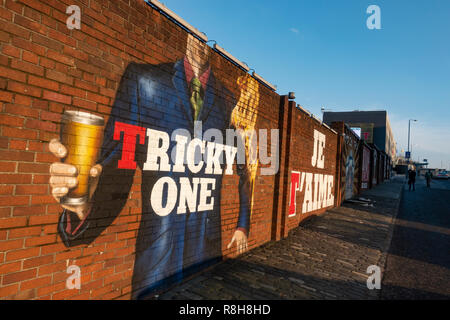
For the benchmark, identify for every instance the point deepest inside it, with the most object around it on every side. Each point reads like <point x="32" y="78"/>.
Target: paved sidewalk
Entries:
<point x="324" y="258"/>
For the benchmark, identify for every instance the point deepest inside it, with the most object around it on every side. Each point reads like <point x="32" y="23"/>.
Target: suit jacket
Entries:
<point x="167" y="247"/>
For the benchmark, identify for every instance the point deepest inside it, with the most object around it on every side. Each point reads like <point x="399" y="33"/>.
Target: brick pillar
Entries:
<point x="281" y="179"/>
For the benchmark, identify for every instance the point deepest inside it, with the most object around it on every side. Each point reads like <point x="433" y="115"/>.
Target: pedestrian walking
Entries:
<point x="428" y="178"/>
<point x="412" y="180"/>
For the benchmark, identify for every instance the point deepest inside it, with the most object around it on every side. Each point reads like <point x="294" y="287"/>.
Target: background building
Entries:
<point x="373" y="127"/>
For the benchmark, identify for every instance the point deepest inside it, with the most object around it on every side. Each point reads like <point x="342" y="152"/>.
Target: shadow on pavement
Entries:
<point x="419" y="253"/>
<point x="402" y="293"/>
<point x="243" y="280"/>
<point x="351" y="232"/>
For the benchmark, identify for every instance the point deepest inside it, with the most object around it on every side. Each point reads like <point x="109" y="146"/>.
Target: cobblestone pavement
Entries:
<point x="324" y="258"/>
<point x="418" y="262"/>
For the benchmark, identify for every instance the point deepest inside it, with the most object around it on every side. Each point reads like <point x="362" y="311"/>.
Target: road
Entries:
<point x="418" y="261"/>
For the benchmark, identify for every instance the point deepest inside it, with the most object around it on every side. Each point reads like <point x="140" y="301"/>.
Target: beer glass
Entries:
<point x="82" y="135"/>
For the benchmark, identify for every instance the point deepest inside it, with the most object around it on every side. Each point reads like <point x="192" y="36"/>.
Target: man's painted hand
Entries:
<point x="64" y="177"/>
<point x="241" y="242"/>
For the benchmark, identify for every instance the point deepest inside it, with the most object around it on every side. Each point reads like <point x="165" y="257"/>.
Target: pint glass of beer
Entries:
<point x="82" y="135"/>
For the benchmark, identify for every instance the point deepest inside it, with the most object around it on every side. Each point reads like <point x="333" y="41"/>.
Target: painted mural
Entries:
<point x="317" y="189"/>
<point x="349" y="167"/>
<point x="180" y="111"/>
<point x="374" y="167"/>
<point x="243" y="118"/>
<point x="365" y="173"/>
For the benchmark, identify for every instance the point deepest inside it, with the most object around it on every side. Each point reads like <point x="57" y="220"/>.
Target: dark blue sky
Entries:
<point x="324" y="52"/>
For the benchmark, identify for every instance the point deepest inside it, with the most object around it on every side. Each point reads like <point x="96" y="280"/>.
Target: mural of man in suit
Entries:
<point x="165" y="98"/>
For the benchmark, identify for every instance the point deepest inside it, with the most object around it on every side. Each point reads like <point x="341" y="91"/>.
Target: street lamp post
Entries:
<point x="409" y="130"/>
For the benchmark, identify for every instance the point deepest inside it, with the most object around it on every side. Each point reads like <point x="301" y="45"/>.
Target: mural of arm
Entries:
<point x="243" y="117"/>
<point x="114" y="184"/>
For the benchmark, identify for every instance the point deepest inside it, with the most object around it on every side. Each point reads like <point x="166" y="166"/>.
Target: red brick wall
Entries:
<point x="45" y="69"/>
<point x="301" y="150"/>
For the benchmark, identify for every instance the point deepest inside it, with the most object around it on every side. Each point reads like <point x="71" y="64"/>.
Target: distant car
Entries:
<point x="441" y="175"/>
